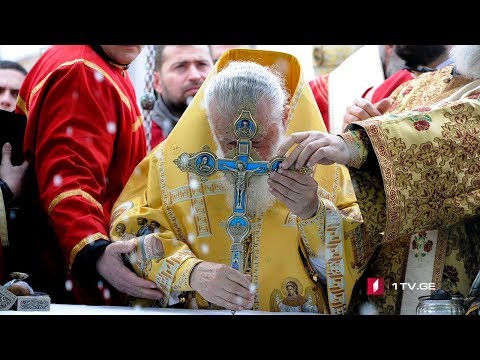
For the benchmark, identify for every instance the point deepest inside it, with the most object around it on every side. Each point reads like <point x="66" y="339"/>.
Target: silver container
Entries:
<point x="454" y="306"/>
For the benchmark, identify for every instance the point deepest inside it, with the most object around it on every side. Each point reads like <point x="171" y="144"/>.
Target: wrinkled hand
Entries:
<point x="363" y="109"/>
<point x="296" y="190"/>
<point x="12" y="175"/>
<point x="222" y="285"/>
<point x="110" y="265"/>
<point x="314" y="147"/>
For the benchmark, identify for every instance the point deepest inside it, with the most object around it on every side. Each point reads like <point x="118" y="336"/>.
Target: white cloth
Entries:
<point x="360" y="71"/>
<point x="420" y="265"/>
<point x="63" y="309"/>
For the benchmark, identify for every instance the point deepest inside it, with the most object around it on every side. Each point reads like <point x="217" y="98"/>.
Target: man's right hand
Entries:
<point x="111" y="267"/>
<point x="222" y="285"/>
<point x="363" y="109"/>
<point x="314" y="147"/>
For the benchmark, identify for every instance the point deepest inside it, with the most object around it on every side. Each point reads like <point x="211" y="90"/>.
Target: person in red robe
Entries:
<point x="83" y="139"/>
<point x="418" y="60"/>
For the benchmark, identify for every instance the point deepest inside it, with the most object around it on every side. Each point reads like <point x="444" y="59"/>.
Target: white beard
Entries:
<point x="259" y="199"/>
<point x="467" y="60"/>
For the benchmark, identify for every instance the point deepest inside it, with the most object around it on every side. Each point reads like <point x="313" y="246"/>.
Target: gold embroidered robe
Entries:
<point x="424" y="175"/>
<point x="191" y="214"/>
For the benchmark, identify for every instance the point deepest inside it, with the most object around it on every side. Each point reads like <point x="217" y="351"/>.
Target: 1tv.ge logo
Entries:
<point x="375" y="286"/>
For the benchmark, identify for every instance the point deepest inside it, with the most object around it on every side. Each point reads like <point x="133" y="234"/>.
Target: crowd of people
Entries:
<point x="377" y="181"/>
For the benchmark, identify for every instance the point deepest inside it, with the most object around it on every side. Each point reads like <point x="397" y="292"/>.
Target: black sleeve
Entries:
<point x="6" y="192"/>
<point x="84" y="268"/>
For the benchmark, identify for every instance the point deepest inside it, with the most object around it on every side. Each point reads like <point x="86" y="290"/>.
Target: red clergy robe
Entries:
<point x="390" y="84"/>
<point x="84" y="137"/>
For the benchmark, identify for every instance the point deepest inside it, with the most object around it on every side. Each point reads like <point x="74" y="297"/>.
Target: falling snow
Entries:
<point x="68" y="285"/>
<point x="100" y="285"/>
<point x="57" y="180"/>
<point x="137" y="171"/>
<point x="194" y="184"/>
<point x="111" y="127"/>
<point x="106" y="294"/>
<point x="69" y="131"/>
<point x="190" y="219"/>
<point x="191" y="238"/>
<point x="75" y="95"/>
<point x="238" y="300"/>
<point x="204" y="248"/>
<point x="158" y="154"/>
<point x="99" y="77"/>
<point x="252" y="288"/>
<point x="12" y="214"/>
<point x="174" y="241"/>
<point x="367" y="308"/>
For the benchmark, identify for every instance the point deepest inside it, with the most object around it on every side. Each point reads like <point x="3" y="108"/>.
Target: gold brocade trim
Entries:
<point x="291" y="220"/>
<point x="255" y="235"/>
<point x="334" y="257"/>
<point x="121" y="67"/>
<point x="336" y="179"/>
<point x="322" y="193"/>
<point x="210" y="187"/>
<point x="137" y="124"/>
<point x="90" y="65"/>
<point x="84" y="242"/>
<point x="3" y="222"/>
<point x="22" y="105"/>
<point x="295" y="98"/>
<point x="183" y="284"/>
<point x="318" y="219"/>
<point x="353" y="148"/>
<point x="379" y="144"/>
<point x="439" y="260"/>
<point x="200" y="211"/>
<point x="163" y="190"/>
<point x="166" y="273"/>
<point x="75" y="192"/>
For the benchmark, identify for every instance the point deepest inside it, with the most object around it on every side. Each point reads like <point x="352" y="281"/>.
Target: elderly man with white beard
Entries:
<point x="303" y="227"/>
<point x="415" y="171"/>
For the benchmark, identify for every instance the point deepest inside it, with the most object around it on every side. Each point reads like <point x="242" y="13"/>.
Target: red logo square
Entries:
<point x="375" y="286"/>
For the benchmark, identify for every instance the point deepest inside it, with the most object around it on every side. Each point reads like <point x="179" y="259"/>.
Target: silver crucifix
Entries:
<point x="242" y="167"/>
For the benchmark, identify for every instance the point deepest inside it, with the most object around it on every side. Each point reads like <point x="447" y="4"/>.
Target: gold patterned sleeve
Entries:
<point x="358" y="147"/>
<point x="139" y="214"/>
<point x="335" y="240"/>
<point x="425" y="169"/>
<point x="312" y="232"/>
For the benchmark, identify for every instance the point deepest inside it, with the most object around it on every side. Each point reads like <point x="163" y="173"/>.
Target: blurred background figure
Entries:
<point x="218" y="50"/>
<point x="326" y="58"/>
<point x="12" y="167"/>
<point x="367" y="67"/>
<point x="418" y="60"/>
<point x="180" y="70"/>
<point x="12" y="75"/>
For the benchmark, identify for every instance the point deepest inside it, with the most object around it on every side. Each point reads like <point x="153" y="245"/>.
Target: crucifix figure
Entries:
<point x="241" y="166"/>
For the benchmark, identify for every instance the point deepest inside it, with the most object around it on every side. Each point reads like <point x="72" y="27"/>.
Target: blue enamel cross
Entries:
<point x="242" y="167"/>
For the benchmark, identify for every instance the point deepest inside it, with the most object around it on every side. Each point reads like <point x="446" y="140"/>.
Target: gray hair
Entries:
<point x="245" y="85"/>
<point x="467" y="60"/>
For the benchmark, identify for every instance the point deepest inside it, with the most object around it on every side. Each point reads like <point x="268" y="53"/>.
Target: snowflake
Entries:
<point x="57" y="180"/>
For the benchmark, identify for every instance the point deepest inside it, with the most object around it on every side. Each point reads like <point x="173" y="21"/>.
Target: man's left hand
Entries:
<point x="12" y="175"/>
<point x="296" y="190"/>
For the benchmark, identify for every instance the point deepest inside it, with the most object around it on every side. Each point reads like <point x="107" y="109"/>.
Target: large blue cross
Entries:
<point x="242" y="167"/>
